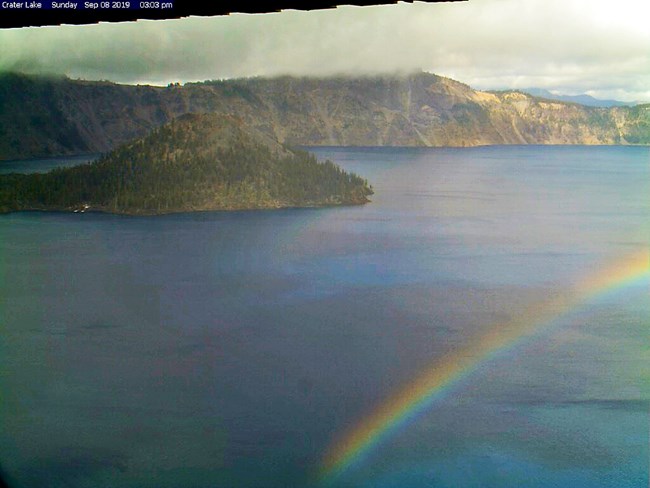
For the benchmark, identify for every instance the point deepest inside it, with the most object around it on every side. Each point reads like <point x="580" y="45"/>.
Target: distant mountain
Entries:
<point x="584" y="99"/>
<point x="196" y="162"/>
<point x="57" y="116"/>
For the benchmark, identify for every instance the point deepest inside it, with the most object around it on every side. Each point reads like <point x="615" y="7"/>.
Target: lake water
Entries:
<point x="43" y="165"/>
<point x="234" y="349"/>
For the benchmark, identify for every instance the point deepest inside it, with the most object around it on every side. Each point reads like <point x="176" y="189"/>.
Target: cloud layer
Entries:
<point x="573" y="46"/>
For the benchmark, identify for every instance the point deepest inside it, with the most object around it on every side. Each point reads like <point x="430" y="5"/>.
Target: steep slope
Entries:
<point x="57" y="116"/>
<point x="197" y="162"/>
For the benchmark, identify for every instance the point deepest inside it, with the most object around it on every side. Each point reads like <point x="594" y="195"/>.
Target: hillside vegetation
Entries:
<point x="197" y="162"/>
<point x="57" y="116"/>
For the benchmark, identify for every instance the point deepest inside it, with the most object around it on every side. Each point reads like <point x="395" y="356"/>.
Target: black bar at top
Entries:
<point x="25" y="17"/>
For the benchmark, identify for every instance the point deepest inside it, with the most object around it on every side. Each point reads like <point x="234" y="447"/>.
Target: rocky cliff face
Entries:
<point x="57" y="116"/>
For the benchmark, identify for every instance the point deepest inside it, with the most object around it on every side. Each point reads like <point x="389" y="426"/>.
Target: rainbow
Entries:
<point x="434" y="381"/>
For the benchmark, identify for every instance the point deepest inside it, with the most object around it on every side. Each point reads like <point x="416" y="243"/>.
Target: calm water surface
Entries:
<point x="232" y="349"/>
<point x="44" y="165"/>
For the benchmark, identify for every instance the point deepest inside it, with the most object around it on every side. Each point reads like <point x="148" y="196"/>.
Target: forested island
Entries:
<point x="196" y="162"/>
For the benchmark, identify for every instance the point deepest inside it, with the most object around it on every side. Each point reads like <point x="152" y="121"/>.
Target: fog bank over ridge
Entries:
<point x="579" y="46"/>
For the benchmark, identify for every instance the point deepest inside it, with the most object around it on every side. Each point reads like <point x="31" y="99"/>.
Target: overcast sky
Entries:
<point x="599" y="47"/>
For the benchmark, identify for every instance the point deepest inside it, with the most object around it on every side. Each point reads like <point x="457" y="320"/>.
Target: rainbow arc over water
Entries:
<point x="415" y="397"/>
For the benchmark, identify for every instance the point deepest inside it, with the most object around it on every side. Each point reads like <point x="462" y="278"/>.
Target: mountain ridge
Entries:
<point x="52" y="116"/>
<point x="581" y="99"/>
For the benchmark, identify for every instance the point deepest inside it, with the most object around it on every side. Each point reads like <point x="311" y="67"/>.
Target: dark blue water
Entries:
<point x="43" y="165"/>
<point x="231" y="349"/>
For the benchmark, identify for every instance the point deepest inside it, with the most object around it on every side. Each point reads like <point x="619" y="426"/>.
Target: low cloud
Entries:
<point x="573" y="46"/>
